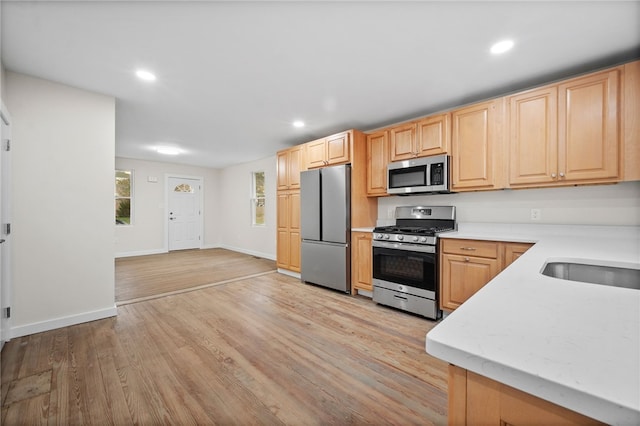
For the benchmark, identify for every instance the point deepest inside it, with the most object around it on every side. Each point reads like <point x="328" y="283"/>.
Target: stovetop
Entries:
<point x="413" y="230"/>
<point x="417" y="225"/>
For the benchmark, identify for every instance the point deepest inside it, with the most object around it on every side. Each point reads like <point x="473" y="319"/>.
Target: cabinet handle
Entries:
<point x="553" y="175"/>
<point x="468" y="248"/>
<point x="466" y="259"/>
<point x="561" y="174"/>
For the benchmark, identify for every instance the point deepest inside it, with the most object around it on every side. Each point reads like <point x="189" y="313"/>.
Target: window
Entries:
<point x="184" y="187"/>
<point x="257" y="198"/>
<point x="123" y="196"/>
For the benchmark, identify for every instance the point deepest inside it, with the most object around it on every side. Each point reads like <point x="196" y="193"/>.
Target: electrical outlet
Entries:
<point x="536" y="214"/>
<point x="391" y="213"/>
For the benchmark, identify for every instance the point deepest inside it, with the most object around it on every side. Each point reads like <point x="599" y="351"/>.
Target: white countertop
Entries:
<point x="574" y="344"/>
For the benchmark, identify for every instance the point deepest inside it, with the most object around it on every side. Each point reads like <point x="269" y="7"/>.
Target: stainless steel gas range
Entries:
<point x="405" y="259"/>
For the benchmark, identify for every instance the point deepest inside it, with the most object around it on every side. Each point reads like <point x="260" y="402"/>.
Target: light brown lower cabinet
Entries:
<point x="478" y="400"/>
<point x="288" y="233"/>
<point x="468" y="265"/>
<point x="361" y="261"/>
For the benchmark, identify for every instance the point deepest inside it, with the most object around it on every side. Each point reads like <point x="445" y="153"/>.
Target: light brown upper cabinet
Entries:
<point x="402" y="142"/>
<point x="428" y="136"/>
<point x="476" y="146"/>
<point x="328" y="151"/>
<point x="631" y="126"/>
<point x="588" y="135"/>
<point x="434" y="135"/>
<point x="289" y="165"/>
<point x="377" y="159"/>
<point x="533" y="136"/>
<point x="566" y="133"/>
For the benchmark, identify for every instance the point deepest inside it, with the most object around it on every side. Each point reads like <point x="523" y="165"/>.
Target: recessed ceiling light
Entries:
<point x="501" y="47"/>
<point x="145" y="75"/>
<point x="298" y="123"/>
<point x="168" y="150"/>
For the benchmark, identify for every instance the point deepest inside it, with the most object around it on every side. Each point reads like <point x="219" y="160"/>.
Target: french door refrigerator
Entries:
<point x="325" y="220"/>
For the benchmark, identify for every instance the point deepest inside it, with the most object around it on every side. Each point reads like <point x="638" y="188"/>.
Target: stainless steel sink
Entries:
<point x="595" y="274"/>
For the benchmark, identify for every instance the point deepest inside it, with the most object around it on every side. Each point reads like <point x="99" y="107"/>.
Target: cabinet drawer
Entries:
<point x="471" y="248"/>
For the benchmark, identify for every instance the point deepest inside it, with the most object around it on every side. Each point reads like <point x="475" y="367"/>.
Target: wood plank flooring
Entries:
<point x="144" y="276"/>
<point x="266" y="350"/>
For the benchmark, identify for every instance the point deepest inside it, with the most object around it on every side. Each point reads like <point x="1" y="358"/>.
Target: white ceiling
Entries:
<point x="233" y="76"/>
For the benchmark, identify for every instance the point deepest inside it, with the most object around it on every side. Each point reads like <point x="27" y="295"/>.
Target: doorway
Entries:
<point x="184" y="213"/>
<point x="5" y="225"/>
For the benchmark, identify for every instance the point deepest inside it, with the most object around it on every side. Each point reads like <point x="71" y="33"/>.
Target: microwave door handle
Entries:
<point x="428" y="171"/>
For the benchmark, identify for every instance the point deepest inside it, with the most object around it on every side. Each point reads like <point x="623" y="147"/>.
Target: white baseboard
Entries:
<point x="210" y="246"/>
<point x="250" y="252"/>
<point x="38" y="327"/>
<point x="140" y="253"/>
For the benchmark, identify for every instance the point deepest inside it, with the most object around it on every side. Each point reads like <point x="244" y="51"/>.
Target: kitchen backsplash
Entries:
<point x="581" y="205"/>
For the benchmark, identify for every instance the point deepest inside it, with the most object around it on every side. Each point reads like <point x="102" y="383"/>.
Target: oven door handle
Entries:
<point x="404" y="247"/>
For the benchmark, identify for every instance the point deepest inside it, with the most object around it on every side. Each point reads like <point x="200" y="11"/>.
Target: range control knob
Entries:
<point x="400" y="237"/>
<point x="423" y="239"/>
<point x="378" y="236"/>
<point x="415" y="238"/>
<point x="386" y="236"/>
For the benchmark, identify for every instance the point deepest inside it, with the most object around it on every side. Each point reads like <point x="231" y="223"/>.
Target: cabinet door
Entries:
<point x="492" y="403"/>
<point x="462" y="277"/>
<point x="403" y="142"/>
<point x="283" y="259"/>
<point x="283" y="210"/>
<point x="282" y="170"/>
<point x="512" y="251"/>
<point x="295" y="166"/>
<point x="288" y="233"/>
<point x="316" y="153"/>
<point x="631" y="120"/>
<point x="337" y="149"/>
<point x="362" y="261"/>
<point x="377" y="160"/>
<point x="294" y="211"/>
<point x="533" y="143"/>
<point x="294" y="251"/>
<point x="475" y="143"/>
<point x="588" y="127"/>
<point x="433" y="135"/>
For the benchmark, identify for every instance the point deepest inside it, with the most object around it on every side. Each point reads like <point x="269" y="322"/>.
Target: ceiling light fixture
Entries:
<point x="145" y="75"/>
<point x="168" y="150"/>
<point x="501" y="47"/>
<point x="298" y="124"/>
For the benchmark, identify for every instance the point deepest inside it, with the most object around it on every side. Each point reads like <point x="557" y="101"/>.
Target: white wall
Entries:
<point x="147" y="235"/>
<point x="62" y="185"/>
<point x="238" y="233"/>
<point x="582" y="205"/>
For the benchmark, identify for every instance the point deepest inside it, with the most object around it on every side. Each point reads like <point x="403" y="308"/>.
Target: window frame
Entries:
<point x="130" y="197"/>
<point x="255" y="198"/>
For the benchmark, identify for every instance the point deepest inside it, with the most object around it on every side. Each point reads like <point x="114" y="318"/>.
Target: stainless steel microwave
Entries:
<point x="419" y="175"/>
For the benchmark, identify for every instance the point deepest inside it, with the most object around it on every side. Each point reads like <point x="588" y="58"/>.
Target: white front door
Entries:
<point x="185" y="224"/>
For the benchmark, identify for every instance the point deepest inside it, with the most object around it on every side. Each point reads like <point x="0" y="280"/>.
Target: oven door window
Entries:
<point x="405" y="267"/>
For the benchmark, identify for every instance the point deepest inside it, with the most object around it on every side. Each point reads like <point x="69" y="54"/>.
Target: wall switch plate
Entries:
<point x="536" y="214"/>
<point x="152" y="179"/>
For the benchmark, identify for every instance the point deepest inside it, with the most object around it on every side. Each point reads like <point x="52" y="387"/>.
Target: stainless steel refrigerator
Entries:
<point x="325" y="219"/>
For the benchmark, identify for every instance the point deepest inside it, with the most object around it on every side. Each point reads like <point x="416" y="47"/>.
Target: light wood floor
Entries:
<point x="267" y="350"/>
<point x="144" y="276"/>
